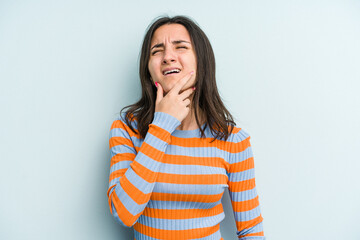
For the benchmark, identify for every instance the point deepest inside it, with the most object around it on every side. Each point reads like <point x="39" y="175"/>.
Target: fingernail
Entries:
<point x="192" y="72"/>
<point x="194" y="88"/>
<point x="156" y="84"/>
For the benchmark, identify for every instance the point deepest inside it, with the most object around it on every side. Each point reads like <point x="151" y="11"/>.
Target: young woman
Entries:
<point x="175" y="151"/>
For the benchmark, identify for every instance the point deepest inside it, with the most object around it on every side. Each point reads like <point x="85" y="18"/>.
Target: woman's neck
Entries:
<point x="189" y="122"/>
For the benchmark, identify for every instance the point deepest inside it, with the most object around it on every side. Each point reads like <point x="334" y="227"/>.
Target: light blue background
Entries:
<point x="289" y="71"/>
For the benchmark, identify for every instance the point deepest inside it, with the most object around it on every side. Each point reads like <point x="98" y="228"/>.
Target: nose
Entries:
<point x="169" y="56"/>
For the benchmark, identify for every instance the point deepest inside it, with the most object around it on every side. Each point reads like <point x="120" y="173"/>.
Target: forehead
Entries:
<point x="170" y="32"/>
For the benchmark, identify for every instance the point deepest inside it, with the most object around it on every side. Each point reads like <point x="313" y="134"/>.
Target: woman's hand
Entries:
<point x="175" y="104"/>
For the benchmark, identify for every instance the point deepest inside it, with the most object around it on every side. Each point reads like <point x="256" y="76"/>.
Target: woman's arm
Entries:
<point x="133" y="175"/>
<point x="242" y="189"/>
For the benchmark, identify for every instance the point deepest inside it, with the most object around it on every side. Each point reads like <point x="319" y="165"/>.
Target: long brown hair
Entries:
<point x="206" y="97"/>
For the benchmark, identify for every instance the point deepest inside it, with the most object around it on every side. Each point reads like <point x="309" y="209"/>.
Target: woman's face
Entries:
<point x="172" y="49"/>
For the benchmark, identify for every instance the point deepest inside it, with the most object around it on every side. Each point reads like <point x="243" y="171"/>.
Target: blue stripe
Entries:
<point x="120" y="149"/>
<point x="141" y="184"/>
<point x="241" y="136"/>
<point x="243" y="196"/>
<point x="181" y="205"/>
<point x="194" y="151"/>
<point x="241" y="156"/>
<point x="119" y="132"/>
<point x="148" y="162"/>
<point x="190" y="169"/>
<point x="155" y="142"/>
<point x="242" y="176"/>
<point x="165" y="121"/>
<point x="216" y="236"/>
<point x="181" y="224"/>
<point x="120" y="165"/>
<point x="137" y="141"/>
<point x="189" y="188"/>
<point x="247" y="215"/>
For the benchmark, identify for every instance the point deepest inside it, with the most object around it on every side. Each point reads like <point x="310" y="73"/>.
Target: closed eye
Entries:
<point x="155" y="52"/>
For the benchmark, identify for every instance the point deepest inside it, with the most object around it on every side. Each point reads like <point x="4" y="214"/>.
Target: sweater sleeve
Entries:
<point x="242" y="189"/>
<point x="133" y="174"/>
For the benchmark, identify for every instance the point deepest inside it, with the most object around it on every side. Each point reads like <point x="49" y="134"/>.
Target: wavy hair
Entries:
<point x="206" y="97"/>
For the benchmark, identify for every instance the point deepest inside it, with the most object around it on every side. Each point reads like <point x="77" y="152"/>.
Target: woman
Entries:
<point x="175" y="151"/>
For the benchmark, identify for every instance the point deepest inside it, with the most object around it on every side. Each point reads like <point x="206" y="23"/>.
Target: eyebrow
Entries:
<point x="173" y="42"/>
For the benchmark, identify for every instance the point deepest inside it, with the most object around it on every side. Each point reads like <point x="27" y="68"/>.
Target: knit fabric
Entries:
<point x="170" y="184"/>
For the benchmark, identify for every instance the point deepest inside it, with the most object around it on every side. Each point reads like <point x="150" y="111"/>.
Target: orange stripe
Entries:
<point x="156" y="196"/>
<point x="135" y="194"/>
<point x="110" y="189"/>
<point x="176" y="234"/>
<point x="117" y="124"/>
<point x="122" y="157"/>
<point x="247" y="205"/>
<point x="120" y="124"/>
<point x="115" y="141"/>
<point x="116" y="174"/>
<point x="159" y="132"/>
<point x="143" y="172"/>
<point x="126" y="217"/>
<point x="242" y="185"/>
<point x="192" y="179"/>
<point x="182" y="213"/>
<point x="242" y="166"/>
<point x="240" y="146"/>
<point x="206" y="142"/>
<point x="235" y="130"/>
<point x="249" y="224"/>
<point x="151" y="152"/>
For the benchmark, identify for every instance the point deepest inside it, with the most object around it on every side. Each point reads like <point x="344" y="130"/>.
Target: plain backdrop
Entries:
<point x="288" y="71"/>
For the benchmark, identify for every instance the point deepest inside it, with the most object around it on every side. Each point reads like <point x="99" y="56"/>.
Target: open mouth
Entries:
<point x="172" y="71"/>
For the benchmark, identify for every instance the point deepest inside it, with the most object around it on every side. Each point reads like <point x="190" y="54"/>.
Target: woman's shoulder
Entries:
<point x="124" y="120"/>
<point x="237" y="133"/>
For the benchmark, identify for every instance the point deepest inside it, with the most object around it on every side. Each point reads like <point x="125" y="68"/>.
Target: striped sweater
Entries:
<point x="170" y="184"/>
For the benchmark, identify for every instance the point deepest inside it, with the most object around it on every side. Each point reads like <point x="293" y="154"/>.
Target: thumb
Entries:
<point x="159" y="93"/>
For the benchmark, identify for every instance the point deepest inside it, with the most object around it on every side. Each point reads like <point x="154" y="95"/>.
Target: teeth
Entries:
<point x="171" y="71"/>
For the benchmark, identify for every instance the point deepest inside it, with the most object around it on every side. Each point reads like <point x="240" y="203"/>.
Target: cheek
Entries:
<point x="153" y="67"/>
<point x="191" y="62"/>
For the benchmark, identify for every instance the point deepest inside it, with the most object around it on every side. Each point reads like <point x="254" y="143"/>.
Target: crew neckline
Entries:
<point x="188" y="133"/>
<point x="197" y="129"/>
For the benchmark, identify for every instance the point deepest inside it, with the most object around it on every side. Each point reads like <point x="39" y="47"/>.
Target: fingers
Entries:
<point x="186" y="93"/>
<point x="187" y="102"/>
<point x="180" y="84"/>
